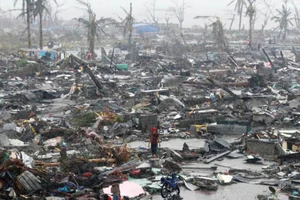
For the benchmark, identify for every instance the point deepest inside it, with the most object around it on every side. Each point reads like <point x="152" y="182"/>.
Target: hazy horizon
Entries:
<point x="112" y="9"/>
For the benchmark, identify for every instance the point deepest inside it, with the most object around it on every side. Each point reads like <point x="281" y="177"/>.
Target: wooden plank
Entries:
<point x="203" y="168"/>
<point x="217" y="156"/>
<point x="223" y="87"/>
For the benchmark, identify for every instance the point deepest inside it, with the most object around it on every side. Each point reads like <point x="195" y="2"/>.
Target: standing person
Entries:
<point x="88" y="56"/>
<point x="154" y="141"/>
<point x="115" y="190"/>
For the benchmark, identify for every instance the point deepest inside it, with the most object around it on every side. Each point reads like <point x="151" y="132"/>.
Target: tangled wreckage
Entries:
<point x="72" y="128"/>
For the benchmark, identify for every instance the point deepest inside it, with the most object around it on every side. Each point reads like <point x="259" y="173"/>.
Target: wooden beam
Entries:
<point x="223" y="87"/>
<point x="217" y="156"/>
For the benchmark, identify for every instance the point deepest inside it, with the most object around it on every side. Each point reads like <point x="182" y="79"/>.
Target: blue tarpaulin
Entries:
<point x="42" y="53"/>
<point x="144" y="28"/>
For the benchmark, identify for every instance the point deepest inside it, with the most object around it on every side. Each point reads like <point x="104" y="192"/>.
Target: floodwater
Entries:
<point x="177" y="143"/>
<point x="239" y="191"/>
<point x="236" y="191"/>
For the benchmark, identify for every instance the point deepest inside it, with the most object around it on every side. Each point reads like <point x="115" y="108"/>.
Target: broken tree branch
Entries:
<point x="223" y="87"/>
<point x="270" y="61"/>
<point x="86" y="67"/>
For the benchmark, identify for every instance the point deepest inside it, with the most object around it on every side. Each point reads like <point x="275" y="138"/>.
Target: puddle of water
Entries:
<point x="240" y="191"/>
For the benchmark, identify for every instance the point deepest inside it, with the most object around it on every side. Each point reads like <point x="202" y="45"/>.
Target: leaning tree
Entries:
<point x="284" y="19"/>
<point x="239" y="8"/>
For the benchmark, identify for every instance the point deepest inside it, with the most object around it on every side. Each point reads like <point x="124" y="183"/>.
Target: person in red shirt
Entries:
<point x="105" y="197"/>
<point x="89" y="56"/>
<point x="154" y="141"/>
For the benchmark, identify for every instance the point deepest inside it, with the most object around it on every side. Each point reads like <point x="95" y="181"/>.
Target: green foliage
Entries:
<point x="21" y="63"/>
<point x="118" y="119"/>
<point x="84" y="120"/>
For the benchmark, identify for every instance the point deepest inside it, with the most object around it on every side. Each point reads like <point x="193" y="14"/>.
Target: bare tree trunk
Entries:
<point x="130" y="38"/>
<point x="284" y="34"/>
<point x="251" y="13"/>
<point x="92" y="37"/>
<point x="130" y="28"/>
<point x="41" y="30"/>
<point x="28" y="22"/>
<point x="167" y="22"/>
<point x="241" y="16"/>
<point x="92" y="46"/>
<point x="154" y="10"/>
<point x="263" y="26"/>
<point x="250" y="31"/>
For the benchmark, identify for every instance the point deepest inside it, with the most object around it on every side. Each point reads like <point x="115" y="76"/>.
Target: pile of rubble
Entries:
<point x="69" y="128"/>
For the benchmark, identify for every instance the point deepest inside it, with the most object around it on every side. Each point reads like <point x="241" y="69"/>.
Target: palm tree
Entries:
<point x="39" y="7"/>
<point x="128" y="22"/>
<point x="217" y="31"/>
<point x="94" y="27"/>
<point x="250" y="12"/>
<point x="284" y="20"/>
<point x="239" y="7"/>
<point x="27" y="8"/>
<point x="219" y="35"/>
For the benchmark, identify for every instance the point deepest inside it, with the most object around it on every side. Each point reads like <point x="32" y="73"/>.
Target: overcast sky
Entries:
<point x="111" y="8"/>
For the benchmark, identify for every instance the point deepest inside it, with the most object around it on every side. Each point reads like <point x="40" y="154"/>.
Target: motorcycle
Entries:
<point x="170" y="186"/>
